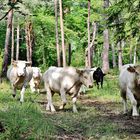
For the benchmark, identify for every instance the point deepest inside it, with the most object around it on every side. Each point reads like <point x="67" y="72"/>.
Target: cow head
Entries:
<point x="136" y="71"/>
<point x="21" y="67"/>
<point x="85" y="78"/>
<point x="36" y="72"/>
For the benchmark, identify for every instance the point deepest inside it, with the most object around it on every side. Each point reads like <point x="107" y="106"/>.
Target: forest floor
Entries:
<point x="100" y="116"/>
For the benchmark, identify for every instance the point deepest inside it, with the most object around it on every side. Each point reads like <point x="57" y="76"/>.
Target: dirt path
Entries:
<point x="112" y="111"/>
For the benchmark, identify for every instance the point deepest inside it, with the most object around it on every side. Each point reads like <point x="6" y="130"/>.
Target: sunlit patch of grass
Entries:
<point x="110" y="89"/>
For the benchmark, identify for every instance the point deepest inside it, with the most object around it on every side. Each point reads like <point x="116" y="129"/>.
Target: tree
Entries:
<point x="119" y="54"/>
<point x="7" y="41"/>
<point x="12" y="49"/>
<point x="62" y="34"/>
<point x="105" y="52"/>
<point x="56" y="32"/>
<point x="29" y="40"/>
<point x="17" y="47"/>
<point x="88" y="23"/>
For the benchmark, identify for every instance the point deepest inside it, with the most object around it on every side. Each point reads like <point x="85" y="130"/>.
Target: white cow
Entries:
<point x="67" y="80"/>
<point x="129" y="80"/>
<point x="36" y="79"/>
<point x="19" y="74"/>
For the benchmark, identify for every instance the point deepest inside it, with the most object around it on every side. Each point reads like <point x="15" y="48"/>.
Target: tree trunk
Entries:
<point x="69" y="54"/>
<point x="62" y="34"/>
<point x="92" y="44"/>
<point x="119" y="55"/>
<point x="130" y="54"/>
<point x="88" y="23"/>
<point x="56" y="33"/>
<point x="12" y="49"/>
<point x="135" y="55"/>
<point x="17" y="48"/>
<point x="43" y="53"/>
<point x="7" y="42"/>
<point x="113" y="56"/>
<point x="105" y="58"/>
<point x="29" y="40"/>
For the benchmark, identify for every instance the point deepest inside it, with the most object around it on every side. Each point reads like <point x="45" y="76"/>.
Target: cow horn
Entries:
<point x="14" y="62"/>
<point x="29" y="63"/>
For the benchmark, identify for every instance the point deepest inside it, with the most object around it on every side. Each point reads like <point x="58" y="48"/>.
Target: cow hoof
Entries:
<point x="75" y="111"/>
<point x="47" y="109"/>
<point x="21" y="103"/>
<point x="135" y="115"/>
<point x="53" y="111"/>
<point x="61" y="107"/>
<point x="14" y="95"/>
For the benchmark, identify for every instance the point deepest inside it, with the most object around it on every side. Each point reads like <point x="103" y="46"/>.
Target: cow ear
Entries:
<point x="80" y="72"/>
<point x="131" y="69"/>
<point x="14" y="63"/>
<point x="29" y="63"/>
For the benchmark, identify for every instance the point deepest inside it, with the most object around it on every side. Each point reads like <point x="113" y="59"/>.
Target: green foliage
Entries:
<point x="123" y="23"/>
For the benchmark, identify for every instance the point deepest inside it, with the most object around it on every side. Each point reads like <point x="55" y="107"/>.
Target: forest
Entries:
<point x="63" y="33"/>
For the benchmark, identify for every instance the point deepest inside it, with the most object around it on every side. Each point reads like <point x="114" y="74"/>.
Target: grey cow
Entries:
<point x="19" y="74"/>
<point x="67" y="80"/>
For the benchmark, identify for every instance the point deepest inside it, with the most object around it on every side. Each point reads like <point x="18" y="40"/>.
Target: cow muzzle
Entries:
<point x="90" y="86"/>
<point x="21" y="74"/>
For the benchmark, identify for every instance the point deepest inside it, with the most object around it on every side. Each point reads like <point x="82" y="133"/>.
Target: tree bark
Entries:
<point x="130" y="54"/>
<point x="17" y="47"/>
<point x="69" y="54"/>
<point x="56" y="33"/>
<point x="88" y="23"/>
<point x="62" y="34"/>
<point x="92" y="46"/>
<point x="29" y="40"/>
<point x="7" y="42"/>
<point x="12" y="49"/>
<point x="135" y="55"/>
<point x="119" y="55"/>
<point x="113" y="56"/>
<point x="105" y="58"/>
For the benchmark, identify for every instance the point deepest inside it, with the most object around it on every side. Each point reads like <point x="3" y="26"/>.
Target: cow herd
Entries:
<point x="70" y="80"/>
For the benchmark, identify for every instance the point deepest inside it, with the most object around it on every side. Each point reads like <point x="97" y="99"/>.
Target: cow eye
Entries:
<point x="85" y="77"/>
<point x="137" y="73"/>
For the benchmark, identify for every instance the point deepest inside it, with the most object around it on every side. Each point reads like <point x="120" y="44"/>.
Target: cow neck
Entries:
<point x="76" y="83"/>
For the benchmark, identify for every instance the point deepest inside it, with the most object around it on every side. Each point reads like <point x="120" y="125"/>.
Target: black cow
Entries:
<point x="98" y="76"/>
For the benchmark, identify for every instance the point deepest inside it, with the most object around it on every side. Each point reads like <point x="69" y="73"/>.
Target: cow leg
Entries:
<point x="49" y="98"/>
<point x="48" y="105"/>
<point x="101" y="83"/>
<point x="14" y="91"/>
<point x="74" y="99"/>
<point x="22" y="94"/>
<point x="133" y="102"/>
<point x="63" y="98"/>
<point x="32" y="89"/>
<point x="123" y="95"/>
<point x="97" y="85"/>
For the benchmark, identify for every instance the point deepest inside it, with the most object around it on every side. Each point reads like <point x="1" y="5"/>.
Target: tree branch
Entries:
<point x="6" y="14"/>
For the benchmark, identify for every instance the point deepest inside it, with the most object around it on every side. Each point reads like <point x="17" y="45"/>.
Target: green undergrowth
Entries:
<point x="97" y="117"/>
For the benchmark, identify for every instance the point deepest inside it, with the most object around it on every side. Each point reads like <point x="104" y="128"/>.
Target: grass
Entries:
<point x="99" y="117"/>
